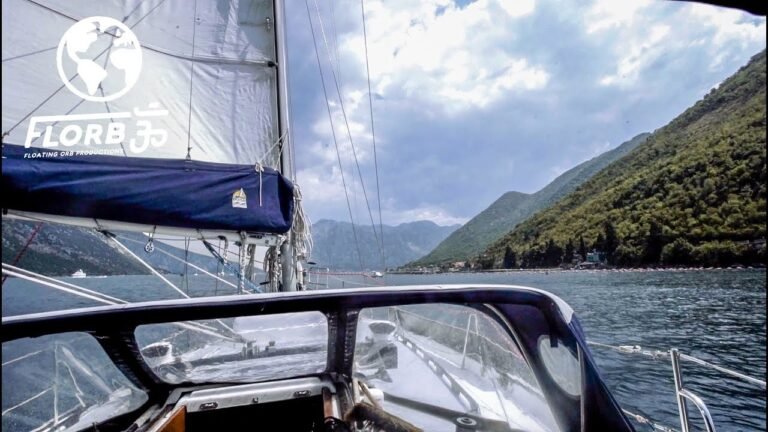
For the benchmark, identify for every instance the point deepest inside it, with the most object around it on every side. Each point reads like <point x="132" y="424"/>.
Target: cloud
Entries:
<point x="452" y="60"/>
<point x="518" y="8"/>
<point x="476" y="99"/>
<point x="731" y="25"/>
<point x="608" y="14"/>
<point x="426" y="212"/>
<point x="640" y="52"/>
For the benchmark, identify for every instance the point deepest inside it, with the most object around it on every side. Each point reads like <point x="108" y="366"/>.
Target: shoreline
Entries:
<point x="604" y="270"/>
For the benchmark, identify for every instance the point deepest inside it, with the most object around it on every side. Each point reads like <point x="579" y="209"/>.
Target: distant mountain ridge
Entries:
<point x="334" y="244"/>
<point x="694" y="193"/>
<point x="60" y="250"/>
<point x="513" y="208"/>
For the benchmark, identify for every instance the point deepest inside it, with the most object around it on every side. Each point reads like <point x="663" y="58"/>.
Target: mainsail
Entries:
<point x="159" y="116"/>
<point x="210" y="64"/>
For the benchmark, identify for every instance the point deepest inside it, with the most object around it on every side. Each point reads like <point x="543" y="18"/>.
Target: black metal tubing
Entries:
<point x="114" y="326"/>
<point x="120" y="318"/>
<point x="751" y="6"/>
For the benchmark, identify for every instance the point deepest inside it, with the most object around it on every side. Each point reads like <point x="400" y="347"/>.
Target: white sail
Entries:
<point x="211" y="57"/>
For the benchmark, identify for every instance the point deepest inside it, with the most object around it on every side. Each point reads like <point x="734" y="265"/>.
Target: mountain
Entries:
<point x="514" y="207"/>
<point x="334" y="244"/>
<point x="60" y="250"/>
<point x="693" y="193"/>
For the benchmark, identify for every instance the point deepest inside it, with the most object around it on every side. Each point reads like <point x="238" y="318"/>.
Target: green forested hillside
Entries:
<point x="514" y="207"/>
<point x="480" y="231"/>
<point x="693" y="193"/>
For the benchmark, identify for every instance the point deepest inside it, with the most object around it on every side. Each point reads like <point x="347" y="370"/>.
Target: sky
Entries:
<point x="472" y="99"/>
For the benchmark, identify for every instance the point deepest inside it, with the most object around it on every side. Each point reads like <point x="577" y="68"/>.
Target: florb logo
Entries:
<point x="98" y="59"/>
<point x="95" y="68"/>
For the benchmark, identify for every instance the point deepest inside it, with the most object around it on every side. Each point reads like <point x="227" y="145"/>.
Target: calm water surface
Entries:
<point x="716" y="315"/>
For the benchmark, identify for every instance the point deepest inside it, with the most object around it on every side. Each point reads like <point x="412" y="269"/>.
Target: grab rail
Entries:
<point x="681" y="393"/>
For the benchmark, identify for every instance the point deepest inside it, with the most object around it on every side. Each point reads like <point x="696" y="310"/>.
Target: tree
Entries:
<point x="677" y="253"/>
<point x="628" y="255"/>
<point x="717" y="253"/>
<point x="599" y="243"/>
<point x="569" y="248"/>
<point x="485" y="261"/>
<point x="653" y="244"/>
<point x="582" y="248"/>
<point x="553" y="254"/>
<point x="611" y="241"/>
<point x="509" y="258"/>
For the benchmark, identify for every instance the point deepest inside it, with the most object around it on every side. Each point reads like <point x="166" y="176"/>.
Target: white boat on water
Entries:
<point x="79" y="274"/>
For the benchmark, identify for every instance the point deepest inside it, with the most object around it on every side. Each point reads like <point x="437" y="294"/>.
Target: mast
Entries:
<point x="287" y="253"/>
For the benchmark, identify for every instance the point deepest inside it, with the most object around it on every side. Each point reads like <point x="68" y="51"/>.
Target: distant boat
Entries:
<point x="376" y="274"/>
<point x="79" y="274"/>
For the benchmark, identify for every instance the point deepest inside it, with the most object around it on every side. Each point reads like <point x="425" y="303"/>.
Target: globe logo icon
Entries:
<point x="99" y="59"/>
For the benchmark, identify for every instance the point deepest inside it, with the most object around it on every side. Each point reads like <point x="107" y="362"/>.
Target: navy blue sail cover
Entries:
<point x="155" y="192"/>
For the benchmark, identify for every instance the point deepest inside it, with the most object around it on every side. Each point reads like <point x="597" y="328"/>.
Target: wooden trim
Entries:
<point x="176" y="422"/>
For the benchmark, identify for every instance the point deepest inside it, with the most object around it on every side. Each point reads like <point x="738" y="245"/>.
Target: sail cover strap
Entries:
<point x="154" y="192"/>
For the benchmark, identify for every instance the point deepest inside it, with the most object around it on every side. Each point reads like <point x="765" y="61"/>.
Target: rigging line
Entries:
<point x="272" y="147"/>
<point x="346" y="122"/>
<point x="58" y="287"/>
<point x="24" y="248"/>
<point x="113" y="237"/>
<point x="93" y="295"/>
<point x="333" y="132"/>
<point x="222" y="260"/>
<point x="106" y="104"/>
<point x="199" y="58"/>
<point x="216" y="286"/>
<point x="170" y="255"/>
<point x="220" y="249"/>
<point x="373" y="135"/>
<point x="55" y="92"/>
<point x="106" y="297"/>
<point x="291" y="148"/>
<point x="335" y="40"/>
<point x="28" y="54"/>
<point x="145" y="264"/>
<point x="58" y="12"/>
<point x="191" y="78"/>
<point x="186" y="261"/>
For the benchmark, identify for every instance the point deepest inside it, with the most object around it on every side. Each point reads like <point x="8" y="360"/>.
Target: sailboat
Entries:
<point x="197" y="144"/>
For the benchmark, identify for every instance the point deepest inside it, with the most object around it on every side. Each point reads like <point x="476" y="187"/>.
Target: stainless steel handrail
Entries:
<point x="681" y="393"/>
<point x="709" y="424"/>
<point x="682" y="409"/>
<point x="732" y="373"/>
